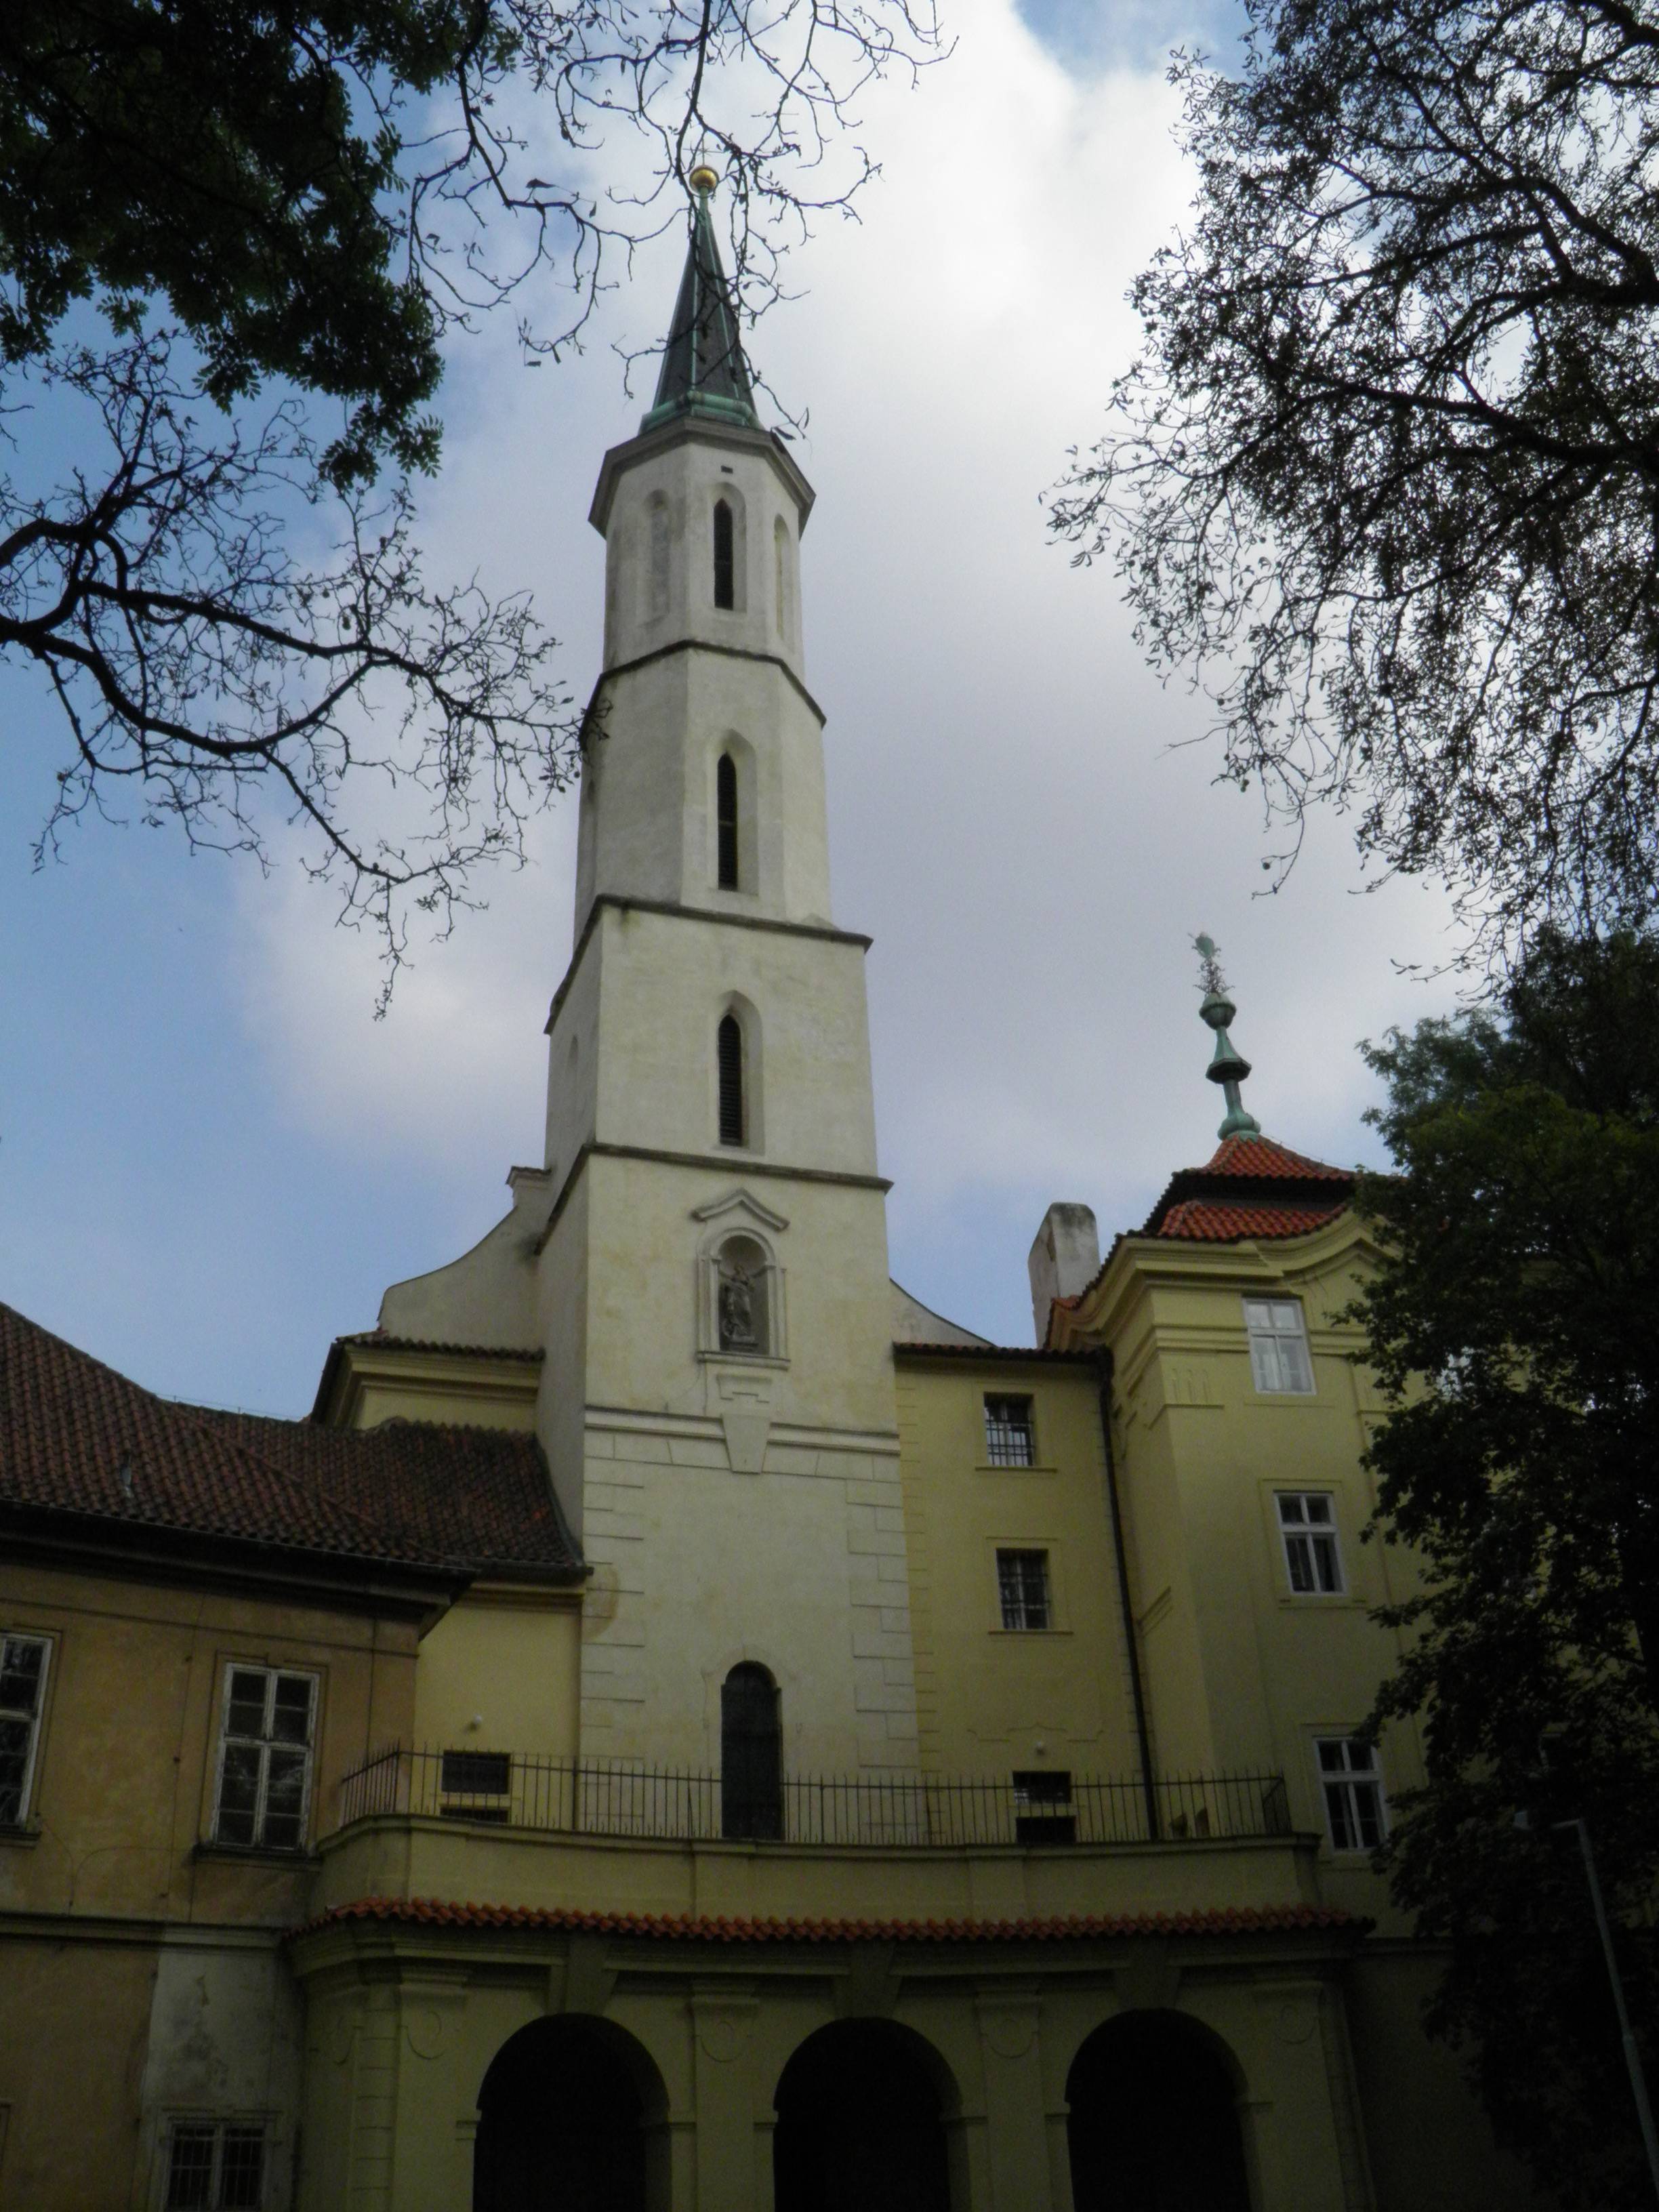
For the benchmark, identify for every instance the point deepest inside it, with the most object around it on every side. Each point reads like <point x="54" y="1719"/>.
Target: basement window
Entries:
<point x="216" y="2165"/>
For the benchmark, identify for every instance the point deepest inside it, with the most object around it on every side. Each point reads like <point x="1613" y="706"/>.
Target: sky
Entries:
<point x="213" y="1157"/>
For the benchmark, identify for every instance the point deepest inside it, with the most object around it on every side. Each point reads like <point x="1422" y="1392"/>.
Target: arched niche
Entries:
<point x="863" y="2107"/>
<point x="572" y="2112"/>
<point x="1154" y="2123"/>
<point x="740" y="1310"/>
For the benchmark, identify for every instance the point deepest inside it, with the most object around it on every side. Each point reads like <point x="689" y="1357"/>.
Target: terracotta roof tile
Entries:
<point x="1251" y="1187"/>
<point x="1256" y="1157"/>
<point x="77" y="1438"/>
<point x="1231" y="1920"/>
<point x="382" y="1340"/>
<point x="1207" y="1223"/>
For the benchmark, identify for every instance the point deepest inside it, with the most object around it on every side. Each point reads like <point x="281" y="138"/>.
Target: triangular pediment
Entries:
<point x="740" y="1205"/>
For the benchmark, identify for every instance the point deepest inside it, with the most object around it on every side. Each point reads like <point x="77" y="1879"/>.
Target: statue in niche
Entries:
<point x="736" y="1310"/>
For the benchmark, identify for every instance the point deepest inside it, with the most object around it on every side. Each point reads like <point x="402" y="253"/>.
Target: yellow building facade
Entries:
<point x="682" y="1728"/>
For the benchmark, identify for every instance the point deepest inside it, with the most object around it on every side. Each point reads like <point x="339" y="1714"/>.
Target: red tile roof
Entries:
<point x="1197" y="1217"/>
<point x="1256" y="1157"/>
<point x="382" y="1340"/>
<point x="77" y="1438"/>
<point x="1251" y="1187"/>
<point x="1231" y="1920"/>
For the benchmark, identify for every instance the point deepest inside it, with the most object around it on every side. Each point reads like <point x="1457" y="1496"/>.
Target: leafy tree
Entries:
<point x="1385" y="473"/>
<point x="278" y="216"/>
<point x="1514" y="1326"/>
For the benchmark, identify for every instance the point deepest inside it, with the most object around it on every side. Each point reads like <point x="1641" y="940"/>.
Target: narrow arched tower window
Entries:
<point x="751" y="1754"/>
<point x="724" y="572"/>
<point x="730" y="1048"/>
<point x="780" y="574"/>
<point x="726" y="821"/>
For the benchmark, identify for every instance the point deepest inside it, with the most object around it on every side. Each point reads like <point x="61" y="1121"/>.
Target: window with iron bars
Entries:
<point x="23" y="1700"/>
<point x="1307" y="1525"/>
<point x="1022" y="1590"/>
<point x="264" y="1758"/>
<point x="216" y="2165"/>
<point x="1009" y="1439"/>
<point x="1352" y="1784"/>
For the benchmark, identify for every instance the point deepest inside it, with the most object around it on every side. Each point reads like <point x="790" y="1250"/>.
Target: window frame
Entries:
<point x="1276" y="1337"/>
<point x="37" y="1721"/>
<point x="179" y="2123"/>
<point x="724" y="553"/>
<point x="1310" y="1535"/>
<point x="989" y="1397"/>
<point x="232" y="1668"/>
<point x="1024" y="1626"/>
<point x="1346" y="1785"/>
<point x="728" y="842"/>
<point x="732" y="1084"/>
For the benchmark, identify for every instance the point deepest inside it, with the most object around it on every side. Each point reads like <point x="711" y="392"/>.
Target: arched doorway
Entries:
<point x="565" y="2118"/>
<point x="1154" y="2120"/>
<point x="859" y="2126"/>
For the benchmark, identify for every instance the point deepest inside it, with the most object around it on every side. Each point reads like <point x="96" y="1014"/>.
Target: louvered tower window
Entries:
<point x="726" y="819"/>
<point x="723" y="563"/>
<point x="730" y="1048"/>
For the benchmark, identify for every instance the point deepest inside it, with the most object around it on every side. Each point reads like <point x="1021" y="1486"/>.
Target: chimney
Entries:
<point x="1065" y="1256"/>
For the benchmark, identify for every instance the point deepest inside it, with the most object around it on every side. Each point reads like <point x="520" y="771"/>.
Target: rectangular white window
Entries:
<point x="1307" y="1523"/>
<point x="1008" y="1437"/>
<point x="216" y="2165"/>
<point x="23" y="1700"/>
<point x="264" y="1758"/>
<point x="1279" y="1346"/>
<point x="1352" y="1784"/>
<point x="1022" y="1590"/>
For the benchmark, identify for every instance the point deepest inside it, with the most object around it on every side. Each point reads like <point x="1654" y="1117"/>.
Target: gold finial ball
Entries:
<point x="702" y="178"/>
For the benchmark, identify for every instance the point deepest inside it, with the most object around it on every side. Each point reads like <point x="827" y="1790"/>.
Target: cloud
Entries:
<point x="1019" y="814"/>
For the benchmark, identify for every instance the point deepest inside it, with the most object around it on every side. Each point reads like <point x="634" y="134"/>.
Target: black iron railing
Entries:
<point x="620" y="1797"/>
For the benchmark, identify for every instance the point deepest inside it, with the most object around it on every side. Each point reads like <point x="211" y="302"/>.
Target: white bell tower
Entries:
<point x="717" y="1402"/>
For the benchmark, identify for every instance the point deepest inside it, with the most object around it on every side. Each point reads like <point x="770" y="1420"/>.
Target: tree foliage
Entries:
<point x="1386" y="473"/>
<point x="234" y="242"/>
<point x="1514" y="1326"/>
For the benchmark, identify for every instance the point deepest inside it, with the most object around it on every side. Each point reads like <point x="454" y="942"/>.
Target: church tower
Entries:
<point x="717" y="1398"/>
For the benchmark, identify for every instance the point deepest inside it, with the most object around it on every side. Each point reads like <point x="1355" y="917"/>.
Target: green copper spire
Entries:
<point x="1228" y="1065"/>
<point x="703" y="370"/>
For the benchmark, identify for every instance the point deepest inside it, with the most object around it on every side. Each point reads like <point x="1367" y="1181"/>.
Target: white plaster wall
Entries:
<point x="487" y="1296"/>
<point x="226" y="2043"/>
<point x="665" y="982"/>
<point x="646" y="817"/>
<point x="801" y="1567"/>
<point x="688" y="472"/>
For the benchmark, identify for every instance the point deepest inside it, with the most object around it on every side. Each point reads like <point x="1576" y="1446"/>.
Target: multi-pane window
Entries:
<point x="1353" y="1783"/>
<point x="1008" y="1437"/>
<point x="1278" y="1345"/>
<point x="216" y="2165"/>
<point x="1044" y="1812"/>
<point x="1022" y="1590"/>
<point x="22" y="1694"/>
<point x="1307" y="1524"/>
<point x="264" y="1758"/>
